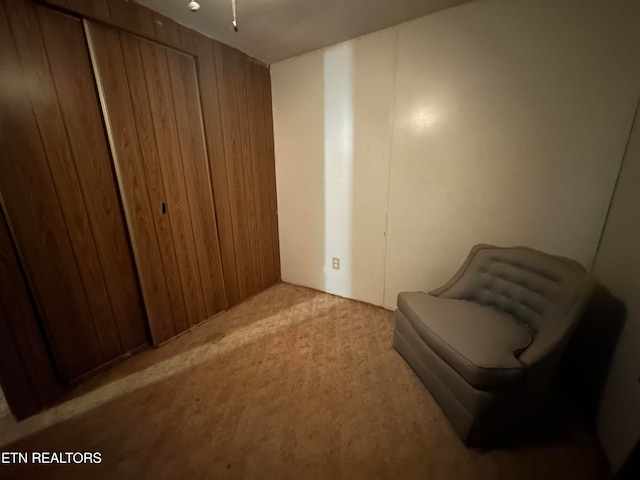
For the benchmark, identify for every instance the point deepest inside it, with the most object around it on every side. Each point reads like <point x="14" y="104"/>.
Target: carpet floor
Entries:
<point x="293" y="383"/>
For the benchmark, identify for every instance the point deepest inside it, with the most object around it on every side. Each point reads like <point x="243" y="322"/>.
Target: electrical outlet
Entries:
<point x="335" y="263"/>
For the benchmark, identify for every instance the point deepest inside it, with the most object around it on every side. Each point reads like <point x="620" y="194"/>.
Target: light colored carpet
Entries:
<point x="293" y="383"/>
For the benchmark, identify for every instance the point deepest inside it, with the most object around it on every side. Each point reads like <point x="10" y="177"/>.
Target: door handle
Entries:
<point x="164" y="208"/>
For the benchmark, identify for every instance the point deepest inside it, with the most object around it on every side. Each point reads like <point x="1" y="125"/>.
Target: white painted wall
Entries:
<point x="332" y="121"/>
<point x="617" y="265"/>
<point x="509" y="127"/>
<point x="496" y="121"/>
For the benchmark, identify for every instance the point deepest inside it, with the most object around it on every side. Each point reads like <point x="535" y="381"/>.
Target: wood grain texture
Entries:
<point x="14" y="379"/>
<point x="96" y="9"/>
<point x="244" y="199"/>
<point x="144" y="126"/>
<point x="260" y="165"/>
<point x="132" y="17"/>
<point x="248" y="140"/>
<point x="249" y="174"/>
<point x="164" y="111"/>
<point x="89" y="300"/>
<point x="159" y="89"/>
<point x="27" y="376"/>
<point x="116" y="100"/>
<point x="58" y="191"/>
<point x="97" y="183"/>
<point x="187" y="39"/>
<point x="186" y="104"/>
<point x="270" y="160"/>
<point x="217" y="163"/>
<point x="167" y="31"/>
<point x="34" y="210"/>
<point x="62" y="36"/>
<point x="231" y="129"/>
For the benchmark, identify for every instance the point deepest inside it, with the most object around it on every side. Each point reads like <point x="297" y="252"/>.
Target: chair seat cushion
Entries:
<point x="480" y="343"/>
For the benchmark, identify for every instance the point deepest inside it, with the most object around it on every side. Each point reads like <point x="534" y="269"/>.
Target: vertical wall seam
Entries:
<point x="164" y="190"/>
<point x="391" y="134"/>
<point x="115" y="164"/>
<point x="242" y="165"/>
<point x="220" y="79"/>
<point x="615" y="186"/>
<point x="252" y="158"/>
<point x="84" y="197"/>
<point x="209" y="178"/>
<point x="55" y="188"/>
<point x="172" y="106"/>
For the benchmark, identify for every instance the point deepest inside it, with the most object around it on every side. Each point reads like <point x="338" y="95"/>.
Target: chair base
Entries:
<point x="479" y="417"/>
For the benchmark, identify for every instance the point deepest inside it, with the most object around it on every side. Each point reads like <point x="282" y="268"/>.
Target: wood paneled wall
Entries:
<point x="59" y="191"/>
<point x="62" y="206"/>
<point x="248" y="170"/>
<point x="236" y="100"/>
<point x="28" y="379"/>
<point x="235" y="94"/>
<point x="150" y="99"/>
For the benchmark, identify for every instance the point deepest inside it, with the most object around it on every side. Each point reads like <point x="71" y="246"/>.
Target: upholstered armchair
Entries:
<point x="487" y="343"/>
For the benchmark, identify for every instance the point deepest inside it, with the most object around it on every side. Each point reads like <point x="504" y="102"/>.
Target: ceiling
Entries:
<point x="274" y="30"/>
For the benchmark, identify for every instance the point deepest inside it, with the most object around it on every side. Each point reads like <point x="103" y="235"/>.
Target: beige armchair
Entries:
<point x="487" y="343"/>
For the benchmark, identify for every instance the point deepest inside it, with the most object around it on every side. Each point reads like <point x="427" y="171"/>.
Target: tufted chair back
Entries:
<point x="544" y="293"/>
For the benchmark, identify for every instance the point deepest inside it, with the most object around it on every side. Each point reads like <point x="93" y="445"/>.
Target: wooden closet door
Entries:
<point x="150" y="100"/>
<point x="60" y="194"/>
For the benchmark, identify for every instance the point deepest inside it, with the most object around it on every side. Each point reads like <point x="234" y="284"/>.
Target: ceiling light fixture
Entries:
<point x="195" y="6"/>
<point x="234" y="22"/>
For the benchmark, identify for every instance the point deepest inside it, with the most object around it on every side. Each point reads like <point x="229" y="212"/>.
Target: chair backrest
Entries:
<point x="544" y="293"/>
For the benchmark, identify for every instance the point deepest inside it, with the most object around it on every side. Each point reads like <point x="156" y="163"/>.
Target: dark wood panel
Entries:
<point x="159" y="89"/>
<point x="257" y="131"/>
<point x="270" y="159"/>
<point x="163" y="98"/>
<point x="209" y="90"/>
<point x="167" y="31"/>
<point x="194" y="163"/>
<point x="75" y="230"/>
<point x="97" y="9"/>
<point x="113" y="82"/>
<point x="152" y="169"/>
<point x="248" y="157"/>
<point x="239" y="194"/>
<point x="75" y="170"/>
<point x="33" y="206"/>
<point x="14" y="379"/>
<point x="124" y="329"/>
<point x="131" y="17"/>
<point x="187" y="40"/>
<point x="231" y="128"/>
<point x="28" y="380"/>
<point x="60" y="33"/>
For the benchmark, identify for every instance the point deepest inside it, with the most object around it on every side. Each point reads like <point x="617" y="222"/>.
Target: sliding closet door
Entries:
<point x="150" y="101"/>
<point x="60" y="194"/>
